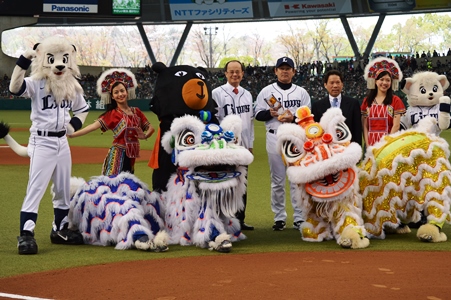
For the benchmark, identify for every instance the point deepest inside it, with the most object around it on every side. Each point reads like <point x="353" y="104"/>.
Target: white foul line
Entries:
<point x="14" y="296"/>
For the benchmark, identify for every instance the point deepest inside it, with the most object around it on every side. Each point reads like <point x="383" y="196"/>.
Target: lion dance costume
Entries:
<point x="118" y="210"/>
<point x="322" y="162"/>
<point x="206" y="191"/>
<point x="404" y="174"/>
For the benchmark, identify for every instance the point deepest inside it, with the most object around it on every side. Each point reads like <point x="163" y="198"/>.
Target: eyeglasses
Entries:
<point x="234" y="72"/>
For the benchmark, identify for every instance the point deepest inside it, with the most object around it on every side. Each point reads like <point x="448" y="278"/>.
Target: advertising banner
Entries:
<point x="70" y="6"/>
<point x="182" y="10"/>
<point x="406" y="5"/>
<point x="292" y="8"/>
<point x="130" y="7"/>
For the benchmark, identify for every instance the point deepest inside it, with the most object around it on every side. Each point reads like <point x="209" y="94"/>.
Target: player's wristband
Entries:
<point x="23" y="62"/>
<point x="445" y="107"/>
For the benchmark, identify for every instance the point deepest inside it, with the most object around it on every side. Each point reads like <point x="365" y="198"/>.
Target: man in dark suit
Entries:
<point x="350" y="107"/>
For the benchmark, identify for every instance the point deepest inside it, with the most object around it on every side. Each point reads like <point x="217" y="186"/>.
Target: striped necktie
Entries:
<point x="335" y="102"/>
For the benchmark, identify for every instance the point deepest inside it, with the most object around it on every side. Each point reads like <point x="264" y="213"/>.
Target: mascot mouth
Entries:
<point x="214" y="173"/>
<point x="332" y="185"/>
<point x="58" y="73"/>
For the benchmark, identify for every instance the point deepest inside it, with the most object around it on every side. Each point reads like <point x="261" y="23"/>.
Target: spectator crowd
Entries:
<point x="308" y="75"/>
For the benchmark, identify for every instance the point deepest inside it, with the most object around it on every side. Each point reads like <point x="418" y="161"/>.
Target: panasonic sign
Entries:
<point x="64" y="6"/>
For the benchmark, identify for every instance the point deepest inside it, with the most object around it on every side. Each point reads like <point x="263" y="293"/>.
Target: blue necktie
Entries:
<point x="335" y="102"/>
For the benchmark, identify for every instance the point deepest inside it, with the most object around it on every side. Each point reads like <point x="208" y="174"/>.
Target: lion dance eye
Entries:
<point x="290" y="150"/>
<point x="187" y="139"/>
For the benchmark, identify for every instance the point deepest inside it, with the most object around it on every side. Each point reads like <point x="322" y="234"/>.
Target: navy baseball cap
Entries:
<point x="285" y="61"/>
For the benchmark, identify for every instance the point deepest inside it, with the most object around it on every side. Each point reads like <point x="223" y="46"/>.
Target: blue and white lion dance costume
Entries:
<point x="118" y="210"/>
<point x="206" y="191"/>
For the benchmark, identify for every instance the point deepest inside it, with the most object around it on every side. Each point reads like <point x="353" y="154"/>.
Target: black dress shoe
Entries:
<point x="244" y="226"/>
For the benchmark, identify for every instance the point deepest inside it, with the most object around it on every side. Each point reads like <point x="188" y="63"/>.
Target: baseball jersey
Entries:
<point x="414" y="114"/>
<point x="45" y="113"/>
<point x="290" y="99"/>
<point x="239" y="104"/>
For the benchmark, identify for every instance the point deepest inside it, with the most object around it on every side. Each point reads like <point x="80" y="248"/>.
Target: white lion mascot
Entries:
<point x="424" y="91"/>
<point x="206" y="191"/>
<point x="118" y="210"/>
<point x="54" y="92"/>
<point x="321" y="160"/>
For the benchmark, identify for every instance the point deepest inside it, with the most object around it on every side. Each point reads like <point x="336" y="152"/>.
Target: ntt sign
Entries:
<point x="68" y="6"/>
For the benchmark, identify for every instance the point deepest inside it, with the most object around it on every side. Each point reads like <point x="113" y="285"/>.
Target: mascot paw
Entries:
<point x="4" y="130"/>
<point x="29" y="54"/>
<point x="430" y="233"/>
<point x="221" y="244"/>
<point x="143" y="243"/>
<point x="445" y="99"/>
<point x="159" y="243"/>
<point x="403" y="229"/>
<point x="352" y="238"/>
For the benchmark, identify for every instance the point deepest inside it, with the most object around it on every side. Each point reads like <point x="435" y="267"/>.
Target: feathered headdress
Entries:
<point x="378" y="65"/>
<point x="111" y="76"/>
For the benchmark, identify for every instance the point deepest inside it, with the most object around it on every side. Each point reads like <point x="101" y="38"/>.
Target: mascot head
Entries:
<point x="425" y="88"/>
<point x="320" y="156"/>
<point x="55" y="62"/>
<point x="181" y="90"/>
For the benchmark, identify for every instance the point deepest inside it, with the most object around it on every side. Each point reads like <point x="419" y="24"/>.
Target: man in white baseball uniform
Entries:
<point x="54" y="92"/>
<point x="233" y="99"/>
<point x="276" y="104"/>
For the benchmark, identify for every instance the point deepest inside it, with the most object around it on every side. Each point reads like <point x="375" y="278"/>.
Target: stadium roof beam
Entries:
<point x="181" y="43"/>
<point x="146" y="42"/>
<point x="350" y="36"/>
<point x="374" y="35"/>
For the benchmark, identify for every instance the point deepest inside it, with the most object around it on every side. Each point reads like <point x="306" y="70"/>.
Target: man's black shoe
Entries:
<point x="67" y="237"/>
<point x="244" y="226"/>
<point x="26" y="244"/>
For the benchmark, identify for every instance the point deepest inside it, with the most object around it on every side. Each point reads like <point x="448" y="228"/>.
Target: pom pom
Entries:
<point x="205" y="116"/>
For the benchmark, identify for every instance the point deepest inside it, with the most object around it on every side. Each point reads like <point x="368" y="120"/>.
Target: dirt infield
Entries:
<point x="80" y="155"/>
<point x="303" y="275"/>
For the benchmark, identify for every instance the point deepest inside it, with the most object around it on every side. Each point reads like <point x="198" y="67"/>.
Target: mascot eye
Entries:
<point x="50" y="59"/>
<point x="435" y="88"/>
<point x="422" y="90"/>
<point x="342" y="132"/>
<point x="65" y="59"/>
<point x="187" y="138"/>
<point x="181" y="73"/>
<point x="201" y="76"/>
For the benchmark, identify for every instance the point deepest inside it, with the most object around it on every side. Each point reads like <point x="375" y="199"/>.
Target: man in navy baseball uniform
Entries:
<point x="276" y="104"/>
<point x="232" y="99"/>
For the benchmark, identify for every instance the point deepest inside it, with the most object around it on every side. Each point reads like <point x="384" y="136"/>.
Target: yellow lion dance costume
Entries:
<point x="404" y="174"/>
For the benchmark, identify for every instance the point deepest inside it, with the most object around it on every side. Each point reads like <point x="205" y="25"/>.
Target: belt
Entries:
<point x="51" y="133"/>
<point x="273" y="131"/>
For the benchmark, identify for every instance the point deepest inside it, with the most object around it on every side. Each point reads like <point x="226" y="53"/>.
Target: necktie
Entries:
<point x="335" y="102"/>
<point x="235" y="90"/>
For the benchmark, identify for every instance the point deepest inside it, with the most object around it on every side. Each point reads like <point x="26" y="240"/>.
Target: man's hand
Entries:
<point x="286" y="117"/>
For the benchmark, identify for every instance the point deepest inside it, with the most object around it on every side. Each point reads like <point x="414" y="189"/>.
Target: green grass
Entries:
<point x="263" y="239"/>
